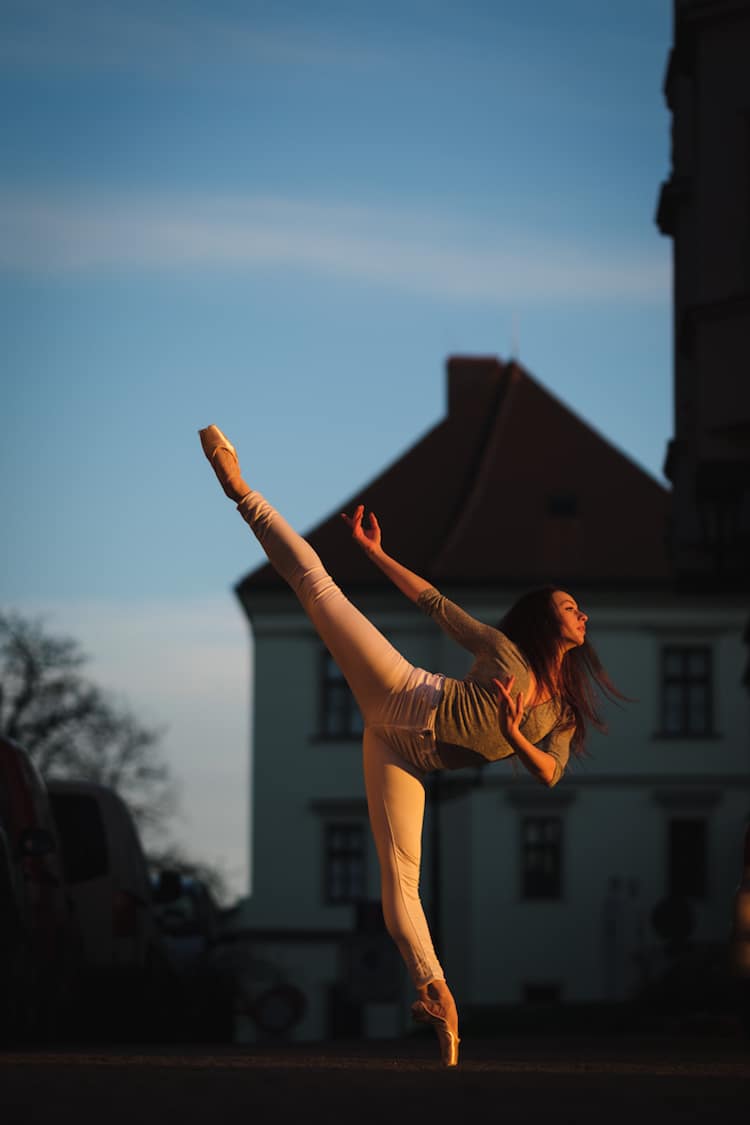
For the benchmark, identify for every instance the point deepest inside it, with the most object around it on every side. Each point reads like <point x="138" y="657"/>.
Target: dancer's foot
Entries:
<point x="436" y="1006"/>
<point x="223" y="458"/>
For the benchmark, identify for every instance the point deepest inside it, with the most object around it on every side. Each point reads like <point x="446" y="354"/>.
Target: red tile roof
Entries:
<point x="510" y="488"/>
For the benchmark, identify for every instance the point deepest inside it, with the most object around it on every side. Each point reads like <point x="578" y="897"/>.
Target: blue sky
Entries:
<point x="283" y="218"/>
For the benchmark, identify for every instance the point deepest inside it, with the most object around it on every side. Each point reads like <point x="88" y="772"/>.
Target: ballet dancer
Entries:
<point x="530" y="693"/>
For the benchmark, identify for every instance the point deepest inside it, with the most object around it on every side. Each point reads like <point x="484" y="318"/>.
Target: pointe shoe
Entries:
<point x="214" y="441"/>
<point x="447" y="1038"/>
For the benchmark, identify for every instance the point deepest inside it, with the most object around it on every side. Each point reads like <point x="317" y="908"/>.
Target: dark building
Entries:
<point x="509" y="489"/>
<point x="704" y="207"/>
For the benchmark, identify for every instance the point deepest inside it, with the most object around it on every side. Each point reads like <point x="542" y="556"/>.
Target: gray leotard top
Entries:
<point x="466" y="724"/>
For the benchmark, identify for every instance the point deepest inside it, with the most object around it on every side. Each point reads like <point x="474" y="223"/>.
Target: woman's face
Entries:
<point x="572" y="619"/>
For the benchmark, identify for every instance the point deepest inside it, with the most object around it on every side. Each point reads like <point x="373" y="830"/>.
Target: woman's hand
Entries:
<point x="509" y="710"/>
<point x="368" y="538"/>
<point x="509" y="714"/>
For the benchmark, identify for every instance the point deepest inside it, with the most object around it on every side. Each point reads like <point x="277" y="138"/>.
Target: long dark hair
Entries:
<point x="532" y="625"/>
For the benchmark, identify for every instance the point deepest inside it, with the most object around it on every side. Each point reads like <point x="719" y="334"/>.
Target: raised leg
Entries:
<point x="373" y="668"/>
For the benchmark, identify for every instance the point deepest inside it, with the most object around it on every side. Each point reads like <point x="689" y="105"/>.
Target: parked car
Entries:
<point x="126" y="971"/>
<point x="39" y="944"/>
<point x="740" y="940"/>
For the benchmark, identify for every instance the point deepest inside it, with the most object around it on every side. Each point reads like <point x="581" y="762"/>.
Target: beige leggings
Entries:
<point x="398" y="703"/>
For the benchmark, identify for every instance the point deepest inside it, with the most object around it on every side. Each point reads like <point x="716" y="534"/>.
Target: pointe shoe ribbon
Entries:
<point x="447" y="1038"/>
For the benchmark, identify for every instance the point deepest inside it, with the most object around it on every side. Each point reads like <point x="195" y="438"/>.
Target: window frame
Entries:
<point x="683" y="682"/>
<point x="526" y="849"/>
<point x="678" y="887"/>
<point x="335" y="699"/>
<point x="354" y="858"/>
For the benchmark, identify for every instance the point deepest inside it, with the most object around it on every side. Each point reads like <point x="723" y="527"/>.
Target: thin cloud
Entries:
<point x="420" y="254"/>
<point x="165" y="39"/>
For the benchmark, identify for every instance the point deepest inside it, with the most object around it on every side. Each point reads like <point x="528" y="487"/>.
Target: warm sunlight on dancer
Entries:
<point x="530" y="693"/>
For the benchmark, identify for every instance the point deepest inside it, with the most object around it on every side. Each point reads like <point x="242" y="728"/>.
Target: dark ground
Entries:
<point x="525" y="1079"/>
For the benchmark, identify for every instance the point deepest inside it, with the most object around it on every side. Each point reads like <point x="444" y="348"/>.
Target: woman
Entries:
<point x="529" y="693"/>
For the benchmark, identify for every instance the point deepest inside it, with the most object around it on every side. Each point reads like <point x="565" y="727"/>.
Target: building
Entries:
<point x="704" y="207"/>
<point x="533" y="894"/>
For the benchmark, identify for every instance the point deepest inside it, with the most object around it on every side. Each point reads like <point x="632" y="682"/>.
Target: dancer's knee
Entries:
<point x="291" y="555"/>
<point x="313" y="585"/>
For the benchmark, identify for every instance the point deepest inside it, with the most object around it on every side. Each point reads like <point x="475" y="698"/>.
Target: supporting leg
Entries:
<point x="395" y="801"/>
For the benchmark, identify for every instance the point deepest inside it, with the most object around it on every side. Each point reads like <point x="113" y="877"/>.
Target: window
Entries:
<point x="687" y="858"/>
<point x="83" y="837"/>
<point x="339" y="715"/>
<point x="686" y="691"/>
<point x="343" y="863"/>
<point x="745" y="235"/>
<point x="541" y="857"/>
<point x="540" y="993"/>
<point x="561" y="542"/>
<point x="562" y="505"/>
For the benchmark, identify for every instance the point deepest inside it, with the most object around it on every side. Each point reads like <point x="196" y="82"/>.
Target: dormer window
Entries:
<point x="562" y="505"/>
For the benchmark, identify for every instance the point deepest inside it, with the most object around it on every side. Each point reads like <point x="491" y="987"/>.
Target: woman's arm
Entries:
<point x="368" y="539"/>
<point x="461" y="627"/>
<point x="543" y="766"/>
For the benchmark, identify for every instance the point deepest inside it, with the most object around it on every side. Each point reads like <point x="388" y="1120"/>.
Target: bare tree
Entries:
<point x="72" y="729"/>
<point x="44" y="700"/>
